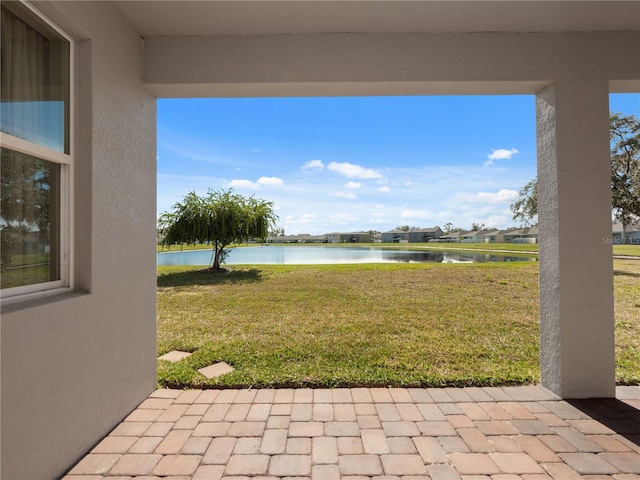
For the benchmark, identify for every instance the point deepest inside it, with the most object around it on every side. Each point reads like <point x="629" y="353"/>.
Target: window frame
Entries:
<point x="67" y="185"/>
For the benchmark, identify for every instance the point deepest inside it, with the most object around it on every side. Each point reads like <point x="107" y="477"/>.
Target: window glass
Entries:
<point x="29" y="220"/>
<point x="36" y="159"/>
<point x="34" y="90"/>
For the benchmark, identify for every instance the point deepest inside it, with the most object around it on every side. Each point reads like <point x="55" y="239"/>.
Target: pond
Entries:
<point x="308" y="255"/>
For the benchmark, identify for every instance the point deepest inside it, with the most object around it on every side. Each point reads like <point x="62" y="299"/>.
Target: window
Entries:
<point x="36" y="139"/>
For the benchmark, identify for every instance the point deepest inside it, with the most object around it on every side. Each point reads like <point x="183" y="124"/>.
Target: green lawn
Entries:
<point x="27" y="269"/>
<point x="629" y="250"/>
<point x="382" y="325"/>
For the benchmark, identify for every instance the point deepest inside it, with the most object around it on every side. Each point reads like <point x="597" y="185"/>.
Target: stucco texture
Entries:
<point x="74" y="365"/>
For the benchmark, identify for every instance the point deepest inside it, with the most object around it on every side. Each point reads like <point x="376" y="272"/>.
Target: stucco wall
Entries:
<point x="576" y="296"/>
<point x="74" y="365"/>
<point x="386" y="64"/>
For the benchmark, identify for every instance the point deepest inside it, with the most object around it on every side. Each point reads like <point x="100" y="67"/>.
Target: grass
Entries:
<point x="374" y="325"/>
<point x="627" y="250"/>
<point x="26" y="269"/>
<point x="627" y="318"/>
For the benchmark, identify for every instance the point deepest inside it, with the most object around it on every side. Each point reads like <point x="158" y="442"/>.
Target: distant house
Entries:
<point x="474" y="236"/>
<point x="425" y="234"/>
<point x="395" y="236"/>
<point x="302" y="238"/>
<point x="414" y="236"/>
<point x="350" y="237"/>
<point x="510" y="235"/>
<point x="631" y="234"/>
<point x="491" y="236"/>
<point x="29" y="242"/>
<point x="451" y="237"/>
<point x="518" y="235"/>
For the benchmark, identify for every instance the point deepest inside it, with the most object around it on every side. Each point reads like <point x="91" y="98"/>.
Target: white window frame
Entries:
<point x="67" y="182"/>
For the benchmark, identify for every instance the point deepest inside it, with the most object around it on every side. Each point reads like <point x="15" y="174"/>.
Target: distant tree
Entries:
<point x="27" y="200"/>
<point x="525" y="208"/>
<point x="26" y="192"/>
<point x="277" y="232"/>
<point x="218" y="217"/>
<point x="625" y="168"/>
<point x="447" y="227"/>
<point x="406" y="228"/>
<point x="373" y="235"/>
<point x="476" y="227"/>
<point x="624" y="131"/>
<point x="6" y="245"/>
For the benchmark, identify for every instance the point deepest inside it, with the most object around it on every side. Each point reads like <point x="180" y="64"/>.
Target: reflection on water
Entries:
<point x="292" y="255"/>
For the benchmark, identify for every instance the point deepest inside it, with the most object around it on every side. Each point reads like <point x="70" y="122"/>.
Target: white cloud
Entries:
<point x="343" y="217"/>
<point x="353" y="184"/>
<point x="262" y="181"/>
<point x="353" y="171"/>
<point x="349" y="195"/>
<point x="416" y="214"/>
<point x="248" y="184"/>
<point x="313" y="164"/>
<point x="501" y="196"/>
<point x="384" y="189"/>
<point x="497" y="219"/>
<point x="271" y="181"/>
<point x="500" y="154"/>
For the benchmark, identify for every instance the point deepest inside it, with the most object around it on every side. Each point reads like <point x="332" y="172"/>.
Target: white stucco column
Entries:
<point x="576" y="268"/>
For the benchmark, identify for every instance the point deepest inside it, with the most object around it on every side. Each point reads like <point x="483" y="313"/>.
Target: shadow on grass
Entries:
<point x="622" y="273"/>
<point x="203" y="277"/>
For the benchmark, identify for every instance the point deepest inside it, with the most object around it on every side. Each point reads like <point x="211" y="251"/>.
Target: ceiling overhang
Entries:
<point x="266" y="17"/>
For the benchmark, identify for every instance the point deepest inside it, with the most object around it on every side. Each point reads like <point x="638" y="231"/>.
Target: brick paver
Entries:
<point x="247" y="465"/>
<point x="135" y="464"/>
<point x="375" y="442"/>
<point x="290" y="465"/>
<point x="360" y="465"/>
<point x="509" y="433"/>
<point x="177" y="465"/>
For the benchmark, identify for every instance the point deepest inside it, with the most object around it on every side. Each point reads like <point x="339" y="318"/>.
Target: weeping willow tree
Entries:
<point x="219" y="218"/>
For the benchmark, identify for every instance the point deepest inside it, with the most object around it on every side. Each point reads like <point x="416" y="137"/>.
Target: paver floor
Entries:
<point x="508" y="433"/>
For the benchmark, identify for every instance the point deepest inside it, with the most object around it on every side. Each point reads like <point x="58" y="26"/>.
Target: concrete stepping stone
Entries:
<point x="216" y="370"/>
<point x="174" y="356"/>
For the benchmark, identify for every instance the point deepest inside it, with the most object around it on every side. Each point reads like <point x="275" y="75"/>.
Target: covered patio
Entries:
<point x="78" y="360"/>
<point x="510" y="433"/>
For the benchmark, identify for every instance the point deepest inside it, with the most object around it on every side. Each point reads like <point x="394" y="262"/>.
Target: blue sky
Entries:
<point x="357" y="163"/>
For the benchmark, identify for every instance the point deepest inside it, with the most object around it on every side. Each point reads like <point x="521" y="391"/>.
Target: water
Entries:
<point x="307" y="255"/>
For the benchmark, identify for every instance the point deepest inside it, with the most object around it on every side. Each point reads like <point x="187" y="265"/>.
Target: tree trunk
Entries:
<point x="216" y="257"/>
<point x="217" y="253"/>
